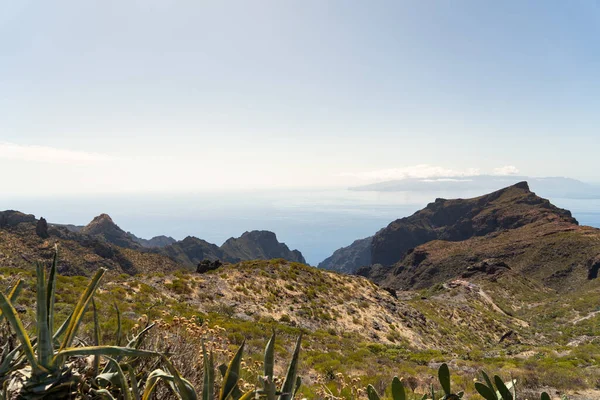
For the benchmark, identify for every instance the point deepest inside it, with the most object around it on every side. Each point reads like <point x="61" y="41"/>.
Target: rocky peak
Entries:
<point x="11" y="218"/>
<point x="460" y="219"/>
<point x="262" y="245"/>
<point x="103" y="226"/>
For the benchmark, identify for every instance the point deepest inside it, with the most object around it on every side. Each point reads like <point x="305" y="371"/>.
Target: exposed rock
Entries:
<point x="349" y="259"/>
<point x="260" y="245"/>
<point x="191" y="251"/>
<point x="155" y="242"/>
<point x="104" y="227"/>
<point x="207" y="265"/>
<point x="593" y="267"/>
<point x="11" y="218"/>
<point x="41" y="228"/>
<point x="508" y="231"/>
<point x="461" y="219"/>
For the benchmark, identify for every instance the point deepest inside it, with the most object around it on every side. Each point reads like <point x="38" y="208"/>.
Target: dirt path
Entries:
<point x="489" y="300"/>
<point x="590" y="315"/>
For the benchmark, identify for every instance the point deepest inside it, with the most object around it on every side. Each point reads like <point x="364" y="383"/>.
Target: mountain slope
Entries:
<point x="349" y="259"/>
<point x="509" y="232"/>
<point x="191" y="250"/>
<point x="461" y="219"/>
<point x="259" y="245"/>
<point x="103" y="226"/>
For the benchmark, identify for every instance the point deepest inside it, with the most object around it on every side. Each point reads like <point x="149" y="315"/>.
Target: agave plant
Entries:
<point x="39" y="368"/>
<point x="499" y="390"/>
<point x="399" y="393"/>
<point x="292" y="381"/>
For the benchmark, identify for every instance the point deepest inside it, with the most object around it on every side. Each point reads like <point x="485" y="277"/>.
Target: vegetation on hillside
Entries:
<point x="156" y="338"/>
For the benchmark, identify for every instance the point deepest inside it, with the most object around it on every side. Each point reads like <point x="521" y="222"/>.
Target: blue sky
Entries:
<point x="126" y="96"/>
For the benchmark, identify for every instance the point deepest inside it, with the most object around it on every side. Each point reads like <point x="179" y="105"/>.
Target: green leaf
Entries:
<point x="184" y="388"/>
<point x="152" y="381"/>
<point x="485" y="392"/>
<point x="298" y="384"/>
<point x="13" y="319"/>
<point x="444" y="378"/>
<point x="290" y="378"/>
<point x="208" y="386"/>
<point x="488" y="382"/>
<point x="398" y="392"/>
<point x="44" y="346"/>
<point x="545" y="396"/>
<point x="504" y="392"/>
<point x="232" y="374"/>
<point x="51" y="290"/>
<point x="96" y="365"/>
<point x="79" y="310"/>
<point x="121" y="380"/>
<point x="13" y="294"/>
<point x="270" y="357"/>
<point x="372" y="393"/>
<point x="118" y="333"/>
<point x="248" y="395"/>
<point x="109" y="351"/>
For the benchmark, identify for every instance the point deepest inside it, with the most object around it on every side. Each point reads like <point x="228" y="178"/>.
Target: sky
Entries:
<point x="182" y="96"/>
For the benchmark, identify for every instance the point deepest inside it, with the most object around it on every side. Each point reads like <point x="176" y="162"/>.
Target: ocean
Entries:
<point x="316" y="222"/>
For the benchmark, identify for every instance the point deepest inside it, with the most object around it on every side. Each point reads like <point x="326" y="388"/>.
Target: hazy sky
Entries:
<point x="114" y="96"/>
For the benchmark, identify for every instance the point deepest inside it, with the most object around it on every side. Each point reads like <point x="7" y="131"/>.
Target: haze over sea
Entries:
<point x="316" y="222"/>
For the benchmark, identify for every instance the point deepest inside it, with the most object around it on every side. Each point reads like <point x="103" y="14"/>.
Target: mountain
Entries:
<point x="511" y="232"/>
<point x="157" y="241"/>
<point x="460" y="219"/>
<point x="191" y="250"/>
<point x="23" y="240"/>
<point x="103" y="226"/>
<point x="260" y="245"/>
<point x="556" y="187"/>
<point x="349" y="259"/>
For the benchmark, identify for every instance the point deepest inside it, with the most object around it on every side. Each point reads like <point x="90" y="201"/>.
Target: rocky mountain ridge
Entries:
<point x="103" y="242"/>
<point x="511" y="231"/>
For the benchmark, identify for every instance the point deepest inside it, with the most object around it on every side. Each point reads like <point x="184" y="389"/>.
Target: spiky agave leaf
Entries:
<point x="232" y="374"/>
<point x="13" y="294"/>
<point x="107" y="351"/>
<point x="118" y="333"/>
<point x="45" y="348"/>
<point x="79" y="311"/>
<point x="96" y="365"/>
<point x="290" y="379"/>
<point x="269" y="388"/>
<point x="208" y="385"/>
<point x="13" y="319"/>
<point x="183" y="387"/>
<point x="117" y="378"/>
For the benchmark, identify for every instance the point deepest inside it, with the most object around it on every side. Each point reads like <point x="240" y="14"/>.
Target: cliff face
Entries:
<point x="461" y="219"/>
<point x="260" y="245"/>
<point x="349" y="259"/>
<point x="509" y="232"/>
<point x="191" y="250"/>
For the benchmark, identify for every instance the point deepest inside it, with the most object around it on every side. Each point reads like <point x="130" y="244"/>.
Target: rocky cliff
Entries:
<point x="260" y="245"/>
<point x="349" y="259"/>
<point x="461" y="219"/>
